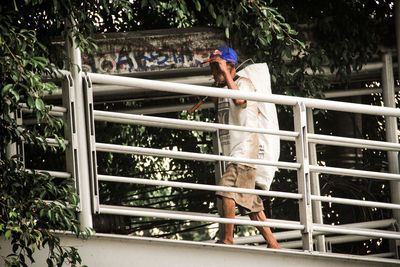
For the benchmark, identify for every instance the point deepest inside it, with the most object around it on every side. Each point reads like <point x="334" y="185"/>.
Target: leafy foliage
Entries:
<point x="26" y="219"/>
<point x="296" y="38"/>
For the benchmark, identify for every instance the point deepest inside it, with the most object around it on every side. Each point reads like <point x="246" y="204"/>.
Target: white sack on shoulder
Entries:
<point x="269" y="145"/>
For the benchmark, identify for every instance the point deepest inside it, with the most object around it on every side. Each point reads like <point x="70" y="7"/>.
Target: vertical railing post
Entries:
<point x="391" y="132"/>
<point x="74" y="54"/>
<point x="396" y="10"/>
<point x="71" y="151"/>
<point x="91" y="140"/>
<point x="315" y="187"/>
<point x="303" y="174"/>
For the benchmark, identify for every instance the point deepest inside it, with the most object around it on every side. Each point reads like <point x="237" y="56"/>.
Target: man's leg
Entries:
<point x="265" y="231"/>
<point x="228" y="206"/>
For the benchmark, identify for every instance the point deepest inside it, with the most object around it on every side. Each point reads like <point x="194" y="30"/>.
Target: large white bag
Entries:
<point x="269" y="145"/>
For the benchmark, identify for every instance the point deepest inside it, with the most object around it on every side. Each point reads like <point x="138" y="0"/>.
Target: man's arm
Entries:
<point x="232" y="85"/>
<point x="228" y="78"/>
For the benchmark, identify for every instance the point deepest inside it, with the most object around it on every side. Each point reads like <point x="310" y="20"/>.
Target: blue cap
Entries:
<point x="224" y="52"/>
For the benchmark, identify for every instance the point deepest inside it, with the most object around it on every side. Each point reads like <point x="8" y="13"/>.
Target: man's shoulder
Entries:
<point x="245" y="83"/>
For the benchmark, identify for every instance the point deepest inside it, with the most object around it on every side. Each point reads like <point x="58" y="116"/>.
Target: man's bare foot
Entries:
<point x="274" y="246"/>
<point x="227" y="242"/>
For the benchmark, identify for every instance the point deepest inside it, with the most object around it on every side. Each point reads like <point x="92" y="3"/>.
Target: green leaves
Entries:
<point x="39" y="104"/>
<point x="25" y="218"/>
<point x="7" y="235"/>
<point x="219" y="21"/>
<point x="15" y="94"/>
<point x="212" y="11"/>
<point x="30" y="101"/>
<point x="29" y="218"/>
<point x="227" y="32"/>
<point x="197" y="4"/>
<point x="5" y="89"/>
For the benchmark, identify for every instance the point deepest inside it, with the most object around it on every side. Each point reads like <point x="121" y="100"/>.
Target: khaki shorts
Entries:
<point x="241" y="176"/>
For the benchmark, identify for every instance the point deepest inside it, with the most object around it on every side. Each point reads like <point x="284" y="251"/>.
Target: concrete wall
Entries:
<point x="124" y="251"/>
<point x="166" y="49"/>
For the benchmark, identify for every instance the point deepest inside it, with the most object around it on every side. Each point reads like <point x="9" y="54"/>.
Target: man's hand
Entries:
<point x="221" y="65"/>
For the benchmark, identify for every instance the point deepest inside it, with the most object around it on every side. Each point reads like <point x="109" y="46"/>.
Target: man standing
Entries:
<point x="238" y="144"/>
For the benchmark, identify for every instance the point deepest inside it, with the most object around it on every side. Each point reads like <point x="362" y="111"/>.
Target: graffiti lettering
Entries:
<point x="139" y="60"/>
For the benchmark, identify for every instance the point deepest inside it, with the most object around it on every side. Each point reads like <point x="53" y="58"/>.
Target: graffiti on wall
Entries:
<point x="140" y="60"/>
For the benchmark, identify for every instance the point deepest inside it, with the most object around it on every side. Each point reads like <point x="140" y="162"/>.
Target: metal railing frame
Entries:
<point x="67" y="112"/>
<point x="258" y="97"/>
<point x="391" y="132"/>
<point x="301" y="136"/>
<point x="286" y="236"/>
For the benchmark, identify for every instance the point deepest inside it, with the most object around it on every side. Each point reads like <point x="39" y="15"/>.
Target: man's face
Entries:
<point x="217" y="73"/>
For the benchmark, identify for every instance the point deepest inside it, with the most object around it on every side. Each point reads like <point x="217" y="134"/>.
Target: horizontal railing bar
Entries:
<point x="131" y="211"/>
<point x="364" y="203"/>
<point x="206" y="126"/>
<point x="355" y="173"/>
<point x="59" y="109"/>
<point x="381" y="255"/>
<point x="356" y="231"/>
<point x="344" y="144"/>
<point x="291" y="244"/>
<point x="127" y="118"/>
<point x="153" y="124"/>
<point x="50" y="141"/>
<point x="190" y="155"/>
<point x="34" y="120"/>
<point x="166" y="109"/>
<point x="287" y="138"/>
<point x="344" y="239"/>
<point x="131" y="180"/>
<point x="356" y="92"/>
<point x="270" y="98"/>
<point x="57" y="174"/>
<point x="370" y="224"/>
<point x="172" y="123"/>
<point x="239" y="217"/>
<point x="351" y="142"/>
<point x="297" y="234"/>
<point x="54" y="109"/>
<point x="53" y="142"/>
<point x="284" y="235"/>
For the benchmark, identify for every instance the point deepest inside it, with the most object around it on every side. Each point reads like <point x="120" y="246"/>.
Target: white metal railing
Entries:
<point x="121" y="179"/>
<point x="189" y="155"/>
<point x="351" y="142"/>
<point x="301" y="137"/>
<point x="287" y="235"/>
<point x="57" y="111"/>
<point x="57" y="174"/>
<point x="182" y="124"/>
<point x="355" y="173"/>
<point x="67" y="111"/>
<point x="133" y="211"/>
<point x="277" y="99"/>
